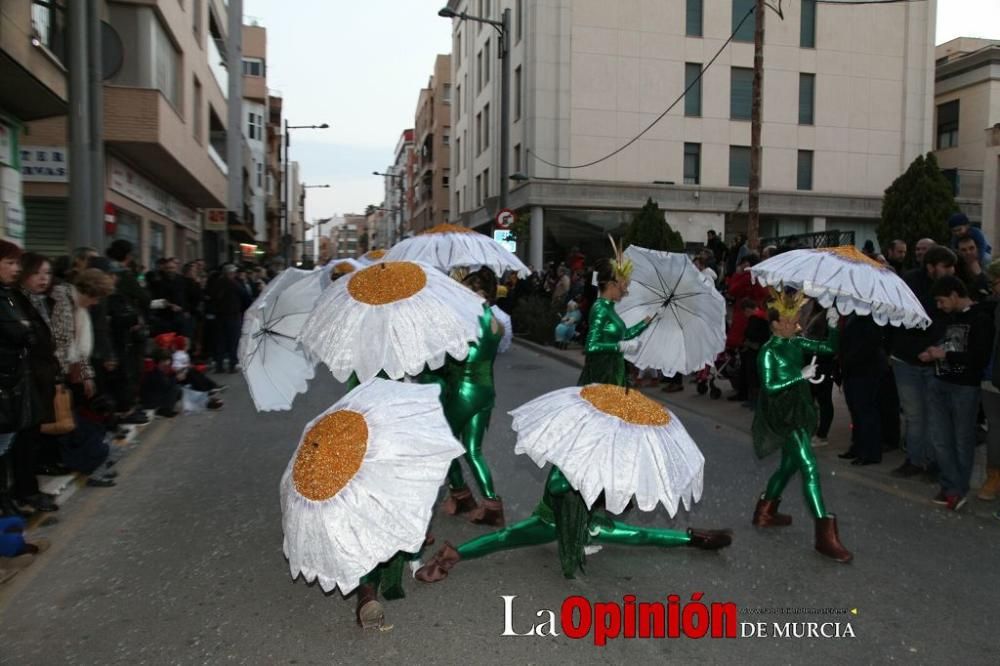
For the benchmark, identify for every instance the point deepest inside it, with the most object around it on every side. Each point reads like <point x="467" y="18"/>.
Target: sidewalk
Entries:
<point x="732" y="415"/>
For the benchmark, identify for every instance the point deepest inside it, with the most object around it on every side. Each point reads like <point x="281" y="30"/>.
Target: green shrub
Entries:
<point x="535" y="319"/>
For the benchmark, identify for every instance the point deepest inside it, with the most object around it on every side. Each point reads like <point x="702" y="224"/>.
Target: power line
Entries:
<point x="665" y="112"/>
<point x="866" y="2"/>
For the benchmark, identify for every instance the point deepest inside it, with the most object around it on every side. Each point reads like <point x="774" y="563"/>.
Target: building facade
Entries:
<point x="432" y="150"/>
<point x="164" y="135"/>
<point x="255" y="120"/>
<point x="273" y="175"/>
<point x="398" y="184"/>
<point x="847" y="106"/>
<point x="967" y="121"/>
<point x="346" y="236"/>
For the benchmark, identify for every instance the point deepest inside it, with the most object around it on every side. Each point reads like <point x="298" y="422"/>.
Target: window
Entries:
<point x="517" y="94"/>
<point x="446" y="93"/>
<point x="807" y="28"/>
<point x="446" y="138"/>
<point x="486" y="126"/>
<point x="486" y="62"/>
<point x="458" y="102"/>
<point x="260" y="175"/>
<point x="157" y="242"/>
<point x="517" y="158"/>
<point x="692" y="163"/>
<point x="807" y="95"/>
<point x="947" y="125"/>
<point x="166" y="66"/>
<point x="196" y="112"/>
<point x="740" y="9"/>
<point x="253" y="67"/>
<point x="482" y="8"/>
<point x="479" y="190"/>
<point x="519" y="21"/>
<point x="458" y="154"/>
<point x="255" y="126"/>
<point x="740" y="92"/>
<point x="692" y="98"/>
<point x="694" y="21"/>
<point x="804" y="179"/>
<point x="479" y="133"/>
<point x="479" y="71"/>
<point x="458" y="201"/>
<point x="196" y="12"/>
<point x="486" y="184"/>
<point x="739" y="166"/>
<point x="445" y="180"/>
<point x="458" y="49"/>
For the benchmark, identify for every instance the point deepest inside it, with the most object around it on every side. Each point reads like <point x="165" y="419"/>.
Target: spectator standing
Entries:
<point x="920" y="249"/>
<point x="718" y="249"/>
<point x="227" y="297"/>
<point x="971" y="272"/>
<point x="960" y="226"/>
<point x="17" y="411"/>
<point x="960" y="357"/>
<point x="560" y="291"/>
<point x="991" y="401"/>
<point x="864" y="370"/>
<point x="913" y="375"/>
<point x="576" y="261"/>
<point x="73" y="332"/>
<point x="30" y="299"/>
<point x="896" y="255"/>
<point x="130" y="298"/>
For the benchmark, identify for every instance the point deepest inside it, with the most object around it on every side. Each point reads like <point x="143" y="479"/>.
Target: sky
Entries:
<point x="359" y="65"/>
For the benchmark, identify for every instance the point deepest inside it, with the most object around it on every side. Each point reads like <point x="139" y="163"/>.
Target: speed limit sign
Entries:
<point x="505" y="218"/>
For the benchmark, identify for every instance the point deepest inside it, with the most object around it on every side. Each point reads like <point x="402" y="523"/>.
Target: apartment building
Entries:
<point x="164" y="135"/>
<point x="847" y="106"/>
<point x="967" y="125"/>
<point x="347" y="236"/>
<point x="273" y="174"/>
<point x="34" y="87"/>
<point x="432" y="147"/>
<point x="255" y="119"/>
<point x="398" y="190"/>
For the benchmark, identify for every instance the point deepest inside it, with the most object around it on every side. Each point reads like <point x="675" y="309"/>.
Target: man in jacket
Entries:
<point x="227" y="298"/>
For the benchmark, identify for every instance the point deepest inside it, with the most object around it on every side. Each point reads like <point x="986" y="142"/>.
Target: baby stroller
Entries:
<point x="727" y="366"/>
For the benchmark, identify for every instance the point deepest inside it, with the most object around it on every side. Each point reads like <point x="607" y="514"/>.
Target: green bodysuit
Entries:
<point x="786" y="417"/>
<point x="468" y="397"/>
<point x="562" y="515"/>
<point x="603" y="363"/>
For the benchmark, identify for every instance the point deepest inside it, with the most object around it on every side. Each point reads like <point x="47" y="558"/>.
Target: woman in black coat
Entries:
<point x="18" y="410"/>
<point x="32" y="300"/>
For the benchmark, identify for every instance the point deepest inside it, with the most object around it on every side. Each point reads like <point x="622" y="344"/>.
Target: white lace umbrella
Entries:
<point x="847" y="279"/>
<point x="448" y="246"/>
<point x="362" y="483"/>
<point x="273" y="363"/>
<point x="608" y="439"/>
<point x="394" y="316"/>
<point x="689" y="330"/>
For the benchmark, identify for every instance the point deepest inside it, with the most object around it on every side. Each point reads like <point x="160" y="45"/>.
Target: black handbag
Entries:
<point x="15" y="404"/>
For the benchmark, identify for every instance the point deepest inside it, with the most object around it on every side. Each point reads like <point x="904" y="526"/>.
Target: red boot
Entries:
<point x="709" y="539"/>
<point x="458" y="502"/>
<point x="828" y="540"/>
<point x="490" y="512"/>
<point x="438" y="567"/>
<point x="766" y="514"/>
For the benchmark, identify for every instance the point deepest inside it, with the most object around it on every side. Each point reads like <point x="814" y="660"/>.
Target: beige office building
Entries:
<point x="432" y="144"/>
<point x="847" y="106"/>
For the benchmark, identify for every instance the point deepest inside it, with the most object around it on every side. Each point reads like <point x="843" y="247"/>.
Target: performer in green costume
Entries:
<point x="468" y="397"/>
<point x="786" y="419"/>
<point x="562" y="515"/>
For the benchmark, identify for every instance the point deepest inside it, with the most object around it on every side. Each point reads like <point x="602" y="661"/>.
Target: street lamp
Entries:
<point x="503" y="29"/>
<point x="286" y="239"/>
<point x="302" y="205"/>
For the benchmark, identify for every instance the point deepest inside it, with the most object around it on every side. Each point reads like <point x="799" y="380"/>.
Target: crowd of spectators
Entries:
<point x="90" y="344"/>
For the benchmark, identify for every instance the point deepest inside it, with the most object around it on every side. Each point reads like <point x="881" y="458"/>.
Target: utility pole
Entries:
<point x="79" y="126"/>
<point x="95" y="100"/>
<point x="234" y="120"/>
<point x="505" y="108"/>
<point x="756" y="113"/>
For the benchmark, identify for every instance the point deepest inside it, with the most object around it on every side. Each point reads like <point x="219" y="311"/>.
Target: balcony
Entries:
<point x="142" y="126"/>
<point x="33" y="81"/>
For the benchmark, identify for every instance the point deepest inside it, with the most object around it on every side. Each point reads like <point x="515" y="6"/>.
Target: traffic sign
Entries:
<point x="505" y="218"/>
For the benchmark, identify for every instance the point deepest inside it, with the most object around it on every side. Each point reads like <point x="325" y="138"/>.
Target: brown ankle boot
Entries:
<point x="490" y="512"/>
<point x="438" y="567"/>
<point x="709" y="539"/>
<point x="369" y="612"/>
<point x="458" y="502"/>
<point x="828" y="540"/>
<point x="766" y="514"/>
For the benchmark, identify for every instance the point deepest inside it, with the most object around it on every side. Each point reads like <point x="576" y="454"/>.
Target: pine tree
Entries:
<point x="917" y="205"/>
<point x="649" y="229"/>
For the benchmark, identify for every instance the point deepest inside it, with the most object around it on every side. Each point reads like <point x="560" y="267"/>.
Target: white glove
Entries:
<point x="809" y="372"/>
<point x="832" y="316"/>
<point x="628" y="346"/>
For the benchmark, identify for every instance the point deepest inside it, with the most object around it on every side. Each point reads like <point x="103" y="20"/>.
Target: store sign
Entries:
<point x="128" y="183"/>
<point x="44" y="164"/>
<point x="13" y="219"/>
<point x="8" y="142"/>
<point x="215" y="219"/>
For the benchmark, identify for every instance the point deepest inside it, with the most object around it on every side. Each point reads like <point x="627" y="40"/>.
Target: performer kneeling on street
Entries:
<point x="786" y="418"/>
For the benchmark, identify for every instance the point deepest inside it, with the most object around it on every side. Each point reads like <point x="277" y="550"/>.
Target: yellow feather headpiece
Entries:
<point x="622" y="266"/>
<point x="787" y="305"/>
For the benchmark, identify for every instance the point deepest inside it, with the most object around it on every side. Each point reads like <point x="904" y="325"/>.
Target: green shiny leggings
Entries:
<point x="797" y="456"/>
<point x="472" y="438"/>
<point x="534" y="531"/>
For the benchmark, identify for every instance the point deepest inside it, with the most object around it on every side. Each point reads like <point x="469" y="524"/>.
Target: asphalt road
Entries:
<point x="181" y="563"/>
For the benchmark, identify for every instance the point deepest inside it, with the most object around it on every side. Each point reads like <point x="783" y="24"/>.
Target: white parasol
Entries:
<point x="449" y="246"/>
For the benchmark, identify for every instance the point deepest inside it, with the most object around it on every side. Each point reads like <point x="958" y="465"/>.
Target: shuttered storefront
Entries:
<point x="46" y="227"/>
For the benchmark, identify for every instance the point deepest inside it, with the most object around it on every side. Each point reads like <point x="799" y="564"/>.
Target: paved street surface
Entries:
<point x="182" y="563"/>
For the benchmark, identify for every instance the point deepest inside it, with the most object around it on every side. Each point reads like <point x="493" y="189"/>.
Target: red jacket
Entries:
<point x="738" y="287"/>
